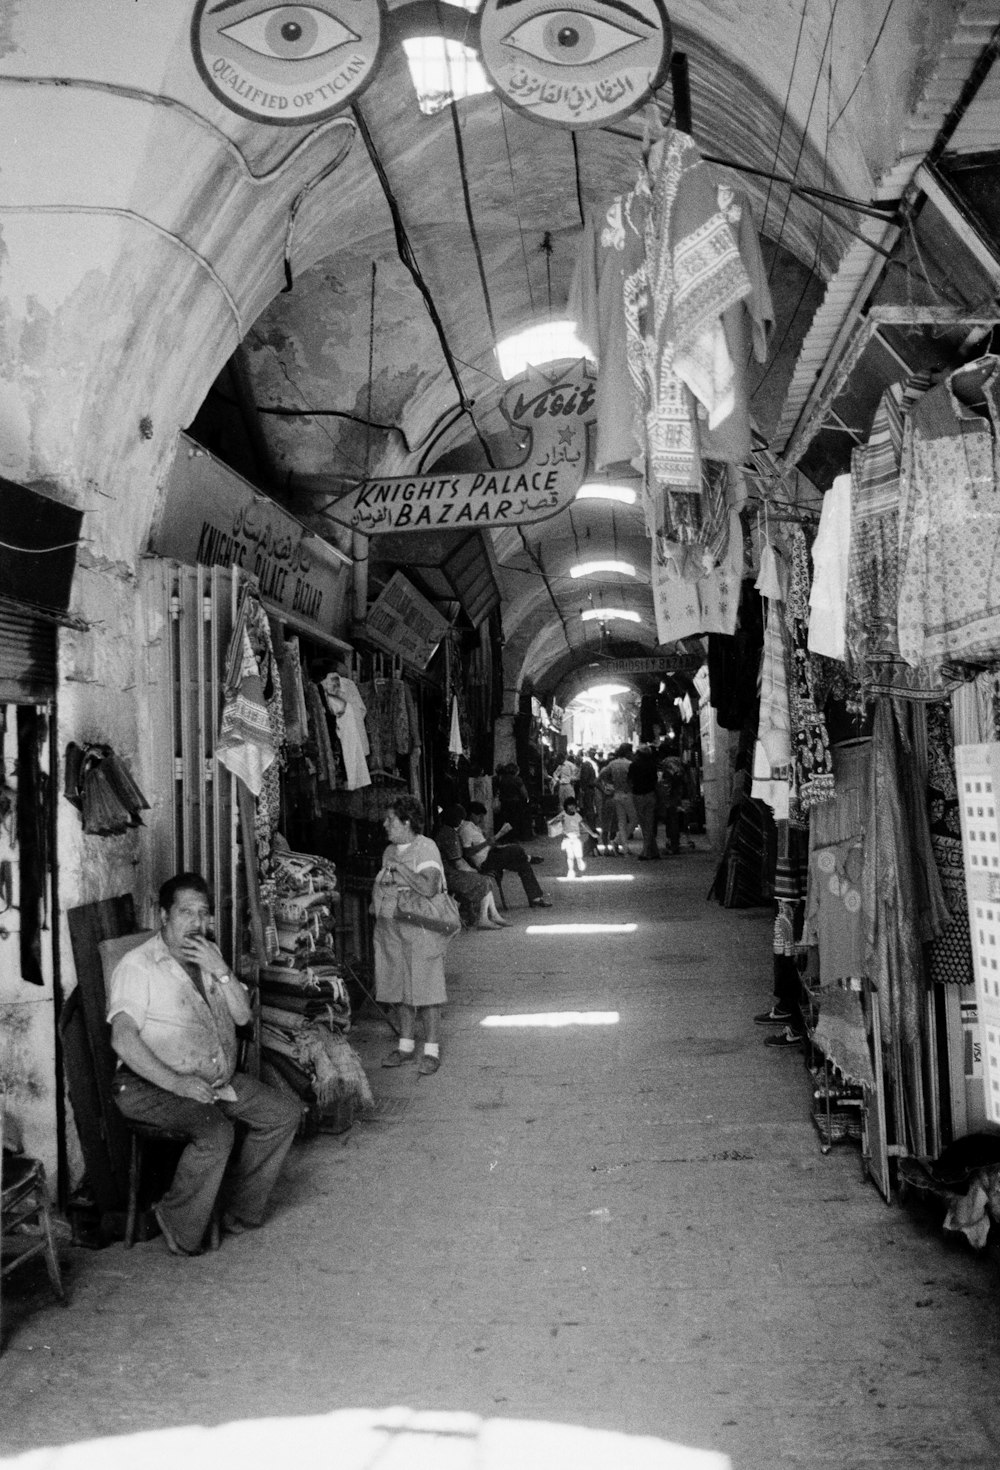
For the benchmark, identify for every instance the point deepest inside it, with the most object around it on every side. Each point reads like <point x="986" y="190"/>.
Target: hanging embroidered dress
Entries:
<point x="810" y="743"/>
<point x="949" y="535"/>
<point x="682" y="271"/>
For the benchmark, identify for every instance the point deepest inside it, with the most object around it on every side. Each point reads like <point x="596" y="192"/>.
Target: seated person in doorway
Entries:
<point x="499" y="857"/>
<point x="173" y="1007"/>
<point x="471" y="890"/>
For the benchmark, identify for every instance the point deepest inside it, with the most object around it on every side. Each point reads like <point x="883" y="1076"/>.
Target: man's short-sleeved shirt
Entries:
<point x="471" y="836"/>
<point x="193" y="1036"/>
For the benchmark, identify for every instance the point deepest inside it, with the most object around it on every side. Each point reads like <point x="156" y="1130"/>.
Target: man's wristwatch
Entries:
<point x="224" y="978"/>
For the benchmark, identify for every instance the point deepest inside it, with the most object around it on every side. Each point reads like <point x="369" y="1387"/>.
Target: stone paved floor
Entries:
<point x="626" y="1226"/>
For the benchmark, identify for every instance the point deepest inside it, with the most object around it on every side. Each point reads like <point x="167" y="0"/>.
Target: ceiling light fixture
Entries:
<point x="599" y="490"/>
<point x="605" y="614"/>
<point x="591" y="568"/>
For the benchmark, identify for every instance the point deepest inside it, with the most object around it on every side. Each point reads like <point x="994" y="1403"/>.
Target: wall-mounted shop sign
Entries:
<point x="404" y="623"/>
<point x="211" y="516"/>
<point x="578" y="66"/>
<point x="682" y="663"/>
<point x="286" y="64"/>
<point x="553" y="409"/>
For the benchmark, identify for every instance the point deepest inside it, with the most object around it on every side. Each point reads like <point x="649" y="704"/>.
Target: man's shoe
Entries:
<point x="540" y="903"/>
<point x="173" y="1244"/>
<point x="785" y="1038"/>
<point x="428" y="1065"/>
<point x="397" y="1058"/>
<point x="776" y="1016"/>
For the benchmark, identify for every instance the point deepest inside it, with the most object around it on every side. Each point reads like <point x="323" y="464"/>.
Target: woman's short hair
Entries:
<point x="452" y="815"/>
<point x="408" y="809"/>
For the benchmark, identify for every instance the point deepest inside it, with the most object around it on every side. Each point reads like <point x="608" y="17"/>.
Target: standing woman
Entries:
<point x="409" y="962"/>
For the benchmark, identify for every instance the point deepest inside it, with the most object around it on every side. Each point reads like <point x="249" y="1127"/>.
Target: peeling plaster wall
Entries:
<point x="141" y="231"/>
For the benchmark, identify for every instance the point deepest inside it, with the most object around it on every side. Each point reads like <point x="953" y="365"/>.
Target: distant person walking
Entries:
<point x="615" y="775"/>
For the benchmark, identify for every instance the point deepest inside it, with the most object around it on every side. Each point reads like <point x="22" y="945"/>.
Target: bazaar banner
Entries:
<point x="552" y="409"/>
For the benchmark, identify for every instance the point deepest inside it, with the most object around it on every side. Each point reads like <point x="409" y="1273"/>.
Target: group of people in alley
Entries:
<point x="174" y="1005"/>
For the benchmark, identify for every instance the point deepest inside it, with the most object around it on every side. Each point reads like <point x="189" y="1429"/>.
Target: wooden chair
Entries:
<point x="139" y="1137"/>
<point x="25" y="1217"/>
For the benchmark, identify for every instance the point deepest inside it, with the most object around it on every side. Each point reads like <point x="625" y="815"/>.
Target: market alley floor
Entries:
<point x="621" y="1222"/>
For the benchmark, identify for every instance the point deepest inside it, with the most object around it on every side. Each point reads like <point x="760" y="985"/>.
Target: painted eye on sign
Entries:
<point x="578" y="67"/>
<point x="286" y="64"/>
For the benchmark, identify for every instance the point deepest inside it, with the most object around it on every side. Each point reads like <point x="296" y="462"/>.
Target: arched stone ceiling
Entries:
<point x="146" y="231"/>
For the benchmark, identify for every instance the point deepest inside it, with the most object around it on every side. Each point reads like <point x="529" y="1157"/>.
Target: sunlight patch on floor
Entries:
<point x="599" y="878"/>
<point x="555" y="1018"/>
<point x="581" y="929"/>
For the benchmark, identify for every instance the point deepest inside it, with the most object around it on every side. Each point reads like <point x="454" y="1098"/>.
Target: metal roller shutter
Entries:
<point x="27" y="656"/>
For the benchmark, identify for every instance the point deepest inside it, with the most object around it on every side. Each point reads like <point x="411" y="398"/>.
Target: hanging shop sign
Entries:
<point x="286" y="64"/>
<point x="683" y="663"/>
<point x="551" y="408"/>
<point x="579" y="66"/>
<point x="404" y="623"/>
<point x="212" y="517"/>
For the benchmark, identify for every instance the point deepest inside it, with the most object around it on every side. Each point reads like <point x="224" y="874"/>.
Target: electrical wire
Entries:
<point x="517" y="207"/>
<point x="406" y="255"/>
<point x="44" y="550"/>
<point x="861" y="73"/>
<point x="784" y="110"/>
<point x="804" y="134"/>
<point x="463" y="174"/>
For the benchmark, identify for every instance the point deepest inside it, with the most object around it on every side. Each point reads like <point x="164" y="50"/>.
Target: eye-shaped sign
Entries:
<point x="286" y="64"/>
<point x="579" y="67"/>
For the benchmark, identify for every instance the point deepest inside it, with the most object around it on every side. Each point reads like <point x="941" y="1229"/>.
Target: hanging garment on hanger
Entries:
<point x="949" y="537"/>
<point x="747" y="326"/>
<point x="347" y="707"/>
<point x="830" y="554"/>
<point x="246" y="744"/>
<point x="455" y="730"/>
<point x="871" y="633"/>
<point x="813" y="779"/>
<point x="772" y="763"/>
<point x="686" y="605"/>
<point x="596" y="305"/>
<point x="695" y="275"/>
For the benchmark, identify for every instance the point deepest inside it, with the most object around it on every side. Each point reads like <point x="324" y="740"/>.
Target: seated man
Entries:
<point x="173" y="1007"/>
<point x="491" y="857"/>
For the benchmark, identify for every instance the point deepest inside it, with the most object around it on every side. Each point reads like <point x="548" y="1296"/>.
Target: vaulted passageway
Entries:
<point x="626" y="1224"/>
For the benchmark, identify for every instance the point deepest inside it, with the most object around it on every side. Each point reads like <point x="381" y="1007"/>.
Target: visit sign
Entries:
<point x="553" y="409"/>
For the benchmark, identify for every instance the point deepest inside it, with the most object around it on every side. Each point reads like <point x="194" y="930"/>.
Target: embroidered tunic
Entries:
<point x="949" y="539"/>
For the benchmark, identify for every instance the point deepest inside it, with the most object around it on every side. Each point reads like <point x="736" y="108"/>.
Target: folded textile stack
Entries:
<point x="305" y="1010"/>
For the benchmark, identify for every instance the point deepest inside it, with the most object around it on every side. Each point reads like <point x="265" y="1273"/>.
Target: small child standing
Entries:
<point x="572" y="844"/>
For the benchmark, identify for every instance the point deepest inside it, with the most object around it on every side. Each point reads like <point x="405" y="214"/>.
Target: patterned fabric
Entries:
<point x="834" y="919"/>
<point x="901" y="894"/>
<point x="949" y="540"/>
<point x="871" y="637"/>
<point x="951" y="955"/>
<point x="813" y="781"/>
<point x="682" y="271"/>
<point x="707" y="604"/>
<point x="791" y="871"/>
<point x="772" y="765"/>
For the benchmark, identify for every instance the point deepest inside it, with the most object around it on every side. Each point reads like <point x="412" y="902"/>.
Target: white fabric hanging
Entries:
<point x="828" y="597"/>
<point x="455" y="734"/>
<point x="348" y="709"/>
